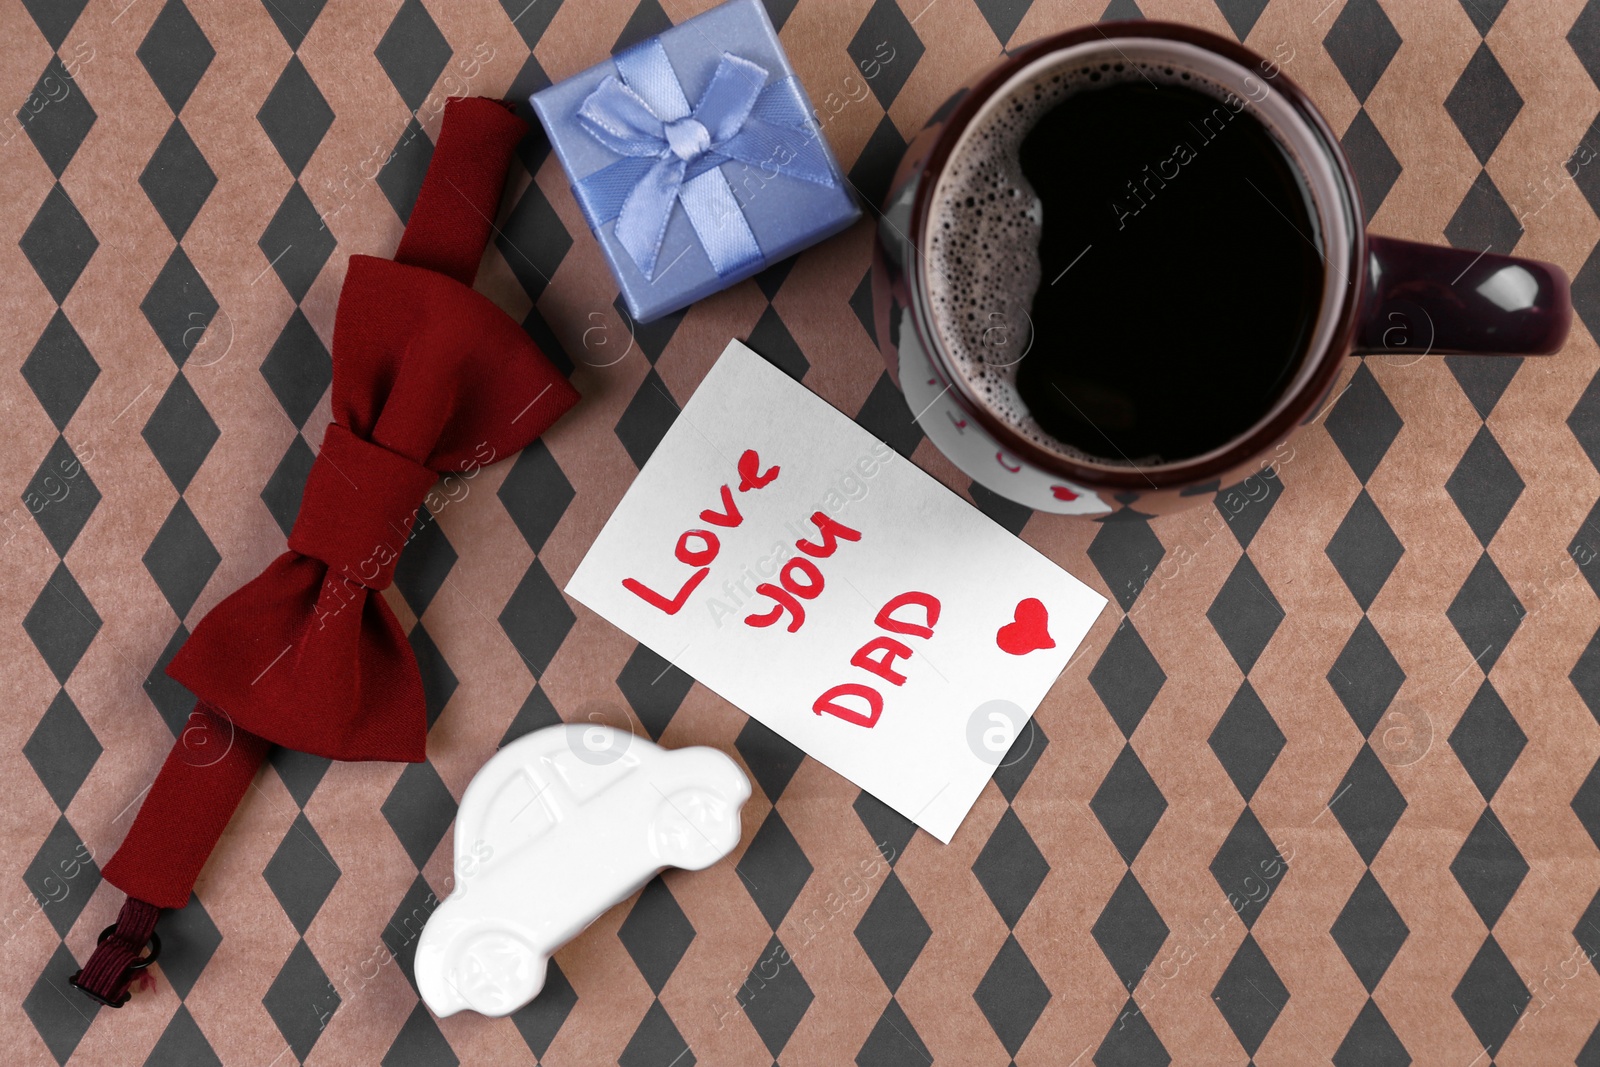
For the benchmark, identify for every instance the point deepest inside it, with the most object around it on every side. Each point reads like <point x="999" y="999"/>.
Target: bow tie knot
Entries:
<point x="688" y="138"/>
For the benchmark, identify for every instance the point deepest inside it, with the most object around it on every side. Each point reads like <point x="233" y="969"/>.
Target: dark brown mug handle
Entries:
<point x="1425" y="298"/>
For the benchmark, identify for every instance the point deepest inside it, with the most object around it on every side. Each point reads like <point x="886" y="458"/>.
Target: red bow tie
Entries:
<point x="429" y="378"/>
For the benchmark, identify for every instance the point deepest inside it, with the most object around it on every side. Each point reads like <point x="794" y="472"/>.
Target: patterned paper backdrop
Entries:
<point x="1359" y="700"/>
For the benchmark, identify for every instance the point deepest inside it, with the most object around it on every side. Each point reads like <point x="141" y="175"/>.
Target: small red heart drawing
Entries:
<point x="1028" y="631"/>
<point x="1063" y="493"/>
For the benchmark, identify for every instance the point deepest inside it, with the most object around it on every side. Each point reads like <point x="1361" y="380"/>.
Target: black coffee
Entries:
<point x="1180" y="274"/>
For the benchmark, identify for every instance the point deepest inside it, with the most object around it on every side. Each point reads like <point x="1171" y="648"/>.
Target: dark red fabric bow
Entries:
<point x="429" y="378"/>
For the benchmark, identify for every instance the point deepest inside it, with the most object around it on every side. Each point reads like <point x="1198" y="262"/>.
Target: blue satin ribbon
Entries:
<point x="672" y="151"/>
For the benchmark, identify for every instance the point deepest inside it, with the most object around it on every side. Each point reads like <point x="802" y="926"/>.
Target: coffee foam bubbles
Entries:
<point x="984" y="226"/>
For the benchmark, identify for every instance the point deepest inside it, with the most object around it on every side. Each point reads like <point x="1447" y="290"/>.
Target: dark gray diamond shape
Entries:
<point x="1127" y="677"/>
<point x="656" y="1041"/>
<point x="300" y="772"/>
<point x="530" y="17"/>
<point x="177" y="180"/>
<point x="535" y="714"/>
<point x="1483" y="103"/>
<point x="1369" y="931"/>
<point x="1483" y="380"/>
<point x="60" y="1013"/>
<point x="1586" y="803"/>
<point x="1367" y="804"/>
<point x="656" y="934"/>
<point x="178" y="306"/>
<point x="1245" y="614"/>
<point x="1116" y="11"/>
<point x="874" y="168"/>
<point x="403" y="170"/>
<point x="1484" y="485"/>
<point x="188" y="941"/>
<point x="55" y="18"/>
<point x="1589" y="1055"/>
<point x="1241" y="15"/>
<point x="1126" y="552"/>
<point x="775" y="1003"/>
<point x="651" y="337"/>
<point x="62" y="749"/>
<point x="62" y="876"/>
<point x="181" y="559"/>
<point x="1128" y="804"/>
<point x="1244" y="507"/>
<point x="295" y="116"/>
<point x="1491" y="996"/>
<point x="298" y="368"/>
<point x="1486" y="613"/>
<point x="647" y="418"/>
<point x="1246" y="740"/>
<point x="1585" y="177"/>
<point x="892" y="931"/>
<point x="301" y="873"/>
<point x="1010" y="868"/>
<point x="1587" y="932"/>
<point x="886" y="49"/>
<point x="63" y="494"/>
<point x="1020" y="759"/>
<point x="419" y="810"/>
<point x="294" y="17"/>
<point x="283" y="490"/>
<point x="438" y="680"/>
<point x="176" y="54"/>
<point x="893" y="1042"/>
<point x="419" y="1043"/>
<point x="1250" y="995"/>
<point x="172" y="701"/>
<point x="1363" y="424"/>
<point x="537" y="618"/>
<point x="1366" y="677"/>
<point x="296" y="242"/>
<point x="536" y="494"/>
<point x="1483" y="13"/>
<point x="534" y="241"/>
<point x="1371" y="1042"/>
<point x="1375" y="165"/>
<point x="779" y="11"/>
<point x="56" y="123"/>
<point x="1584" y="421"/>
<point x="861" y="304"/>
<point x="425" y="561"/>
<point x="771" y="338"/>
<point x="180" y="432"/>
<point x="891" y="832"/>
<point x="1585" y="676"/>
<point x="1483" y="221"/>
<point x="413" y="53"/>
<point x="535" y="147"/>
<point x="61" y="623"/>
<point x="1361" y="44"/>
<point x="1012" y="996"/>
<point x="774" y="868"/>
<point x="301" y="1000"/>
<point x="1586" y="302"/>
<point x="770" y="279"/>
<point x="771" y="758"/>
<point x="1584" y="37"/>
<point x="58" y="243"/>
<point x="60" y="370"/>
<point x="540" y="1019"/>
<point x="538" y="330"/>
<point x="1006" y="513"/>
<point x="1129" y="931"/>
<point x="647" y="20"/>
<point x="1131" y="1041"/>
<point x="1487" y="740"/>
<point x="1489" y="868"/>
<point x="404" y="929"/>
<point x="1003" y="16"/>
<point x="1364" y="550"/>
<point x="1248" y="867"/>
<point x="182" y="1043"/>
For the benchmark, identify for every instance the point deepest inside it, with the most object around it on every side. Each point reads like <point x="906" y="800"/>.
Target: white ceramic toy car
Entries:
<point x="556" y="828"/>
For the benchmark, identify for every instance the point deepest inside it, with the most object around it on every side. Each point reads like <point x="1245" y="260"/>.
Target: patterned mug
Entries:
<point x="1380" y="295"/>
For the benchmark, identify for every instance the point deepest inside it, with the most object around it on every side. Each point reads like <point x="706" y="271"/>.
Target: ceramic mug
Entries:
<point x="1380" y="295"/>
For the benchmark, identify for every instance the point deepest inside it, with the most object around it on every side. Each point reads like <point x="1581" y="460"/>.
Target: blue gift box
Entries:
<point x="696" y="158"/>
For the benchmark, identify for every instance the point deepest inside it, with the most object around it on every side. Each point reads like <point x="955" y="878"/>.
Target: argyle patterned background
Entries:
<point x="1358" y="699"/>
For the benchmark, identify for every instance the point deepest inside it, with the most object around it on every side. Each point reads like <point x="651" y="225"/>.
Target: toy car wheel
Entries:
<point x="496" y="973"/>
<point x="694" y="828"/>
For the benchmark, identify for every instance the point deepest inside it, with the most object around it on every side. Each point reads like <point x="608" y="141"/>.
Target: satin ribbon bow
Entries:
<point x="429" y="378"/>
<point x="672" y="153"/>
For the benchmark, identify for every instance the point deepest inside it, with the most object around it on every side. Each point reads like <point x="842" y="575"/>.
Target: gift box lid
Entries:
<point x="781" y="212"/>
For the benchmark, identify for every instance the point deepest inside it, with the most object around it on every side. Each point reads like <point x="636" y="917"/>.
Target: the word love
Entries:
<point x="751" y="477"/>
